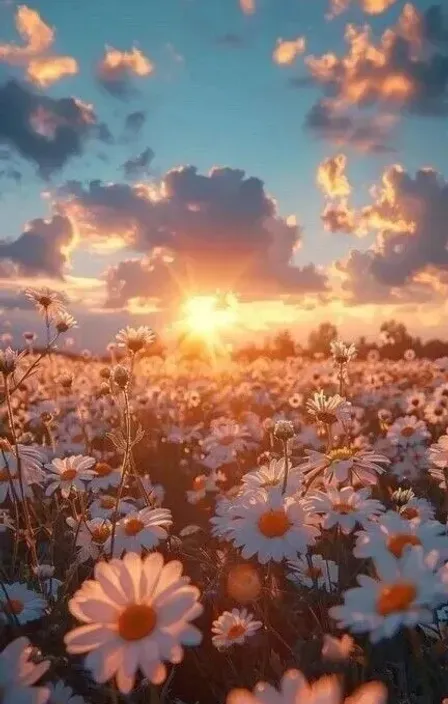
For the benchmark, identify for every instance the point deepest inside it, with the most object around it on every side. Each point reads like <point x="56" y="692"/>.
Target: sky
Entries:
<point x="292" y="152"/>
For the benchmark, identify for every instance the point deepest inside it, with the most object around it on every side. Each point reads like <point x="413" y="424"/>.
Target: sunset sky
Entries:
<point x="290" y="151"/>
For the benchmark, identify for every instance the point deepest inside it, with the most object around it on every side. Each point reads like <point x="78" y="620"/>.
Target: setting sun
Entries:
<point x="206" y="315"/>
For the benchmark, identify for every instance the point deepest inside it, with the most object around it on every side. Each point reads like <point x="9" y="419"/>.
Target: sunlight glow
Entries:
<point x="205" y="316"/>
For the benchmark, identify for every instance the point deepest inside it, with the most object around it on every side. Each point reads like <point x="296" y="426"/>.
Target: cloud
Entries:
<point x="221" y="229"/>
<point x="286" y="51"/>
<point x="402" y="71"/>
<point x="116" y="69"/>
<point x="247" y="6"/>
<point x="230" y="39"/>
<point x="331" y="177"/>
<point x="371" y="7"/>
<point x="44" y="130"/>
<point x="41" y="68"/>
<point x="138" y="165"/>
<point x="339" y="217"/>
<point x="368" y="134"/>
<point x="134" y="123"/>
<point x="436" y="25"/>
<point x="43" y="248"/>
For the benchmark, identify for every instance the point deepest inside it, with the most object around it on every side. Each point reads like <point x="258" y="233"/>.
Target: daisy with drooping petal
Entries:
<point x="344" y="464"/>
<point x="142" y="530"/>
<point x="328" y="410"/>
<point x="313" y="571"/>
<point x="69" y="473"/>
<point x="22" y="604"/>
<point x="394" y="534"/>
<point x="234" y="628"/>
<point x="344" y="507"/>
<point x="294" y="689"/>
<point x="18" y="674"/>
<point x="271" y="526"/>
<point x="403" y="593"/>
<point x="137" y="614"/>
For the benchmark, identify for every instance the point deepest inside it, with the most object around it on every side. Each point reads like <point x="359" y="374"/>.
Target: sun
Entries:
<point x="206" y="316"/>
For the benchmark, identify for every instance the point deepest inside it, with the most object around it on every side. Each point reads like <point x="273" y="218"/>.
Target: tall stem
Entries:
<point x="124" y="468"/>
<point x="286" y="470"/>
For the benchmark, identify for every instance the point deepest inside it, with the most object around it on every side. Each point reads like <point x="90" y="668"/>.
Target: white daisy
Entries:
<point x="272" y="475"/>
<point x="31" y="465"/>
<point x="403" y="594"/>
<point x="344" y="464"/>
<point x="417" y="510"/>
<point x="104" y="506"/>
<point x="69" y="473"/>
<point x="394" y="534"/>
<point x="408" y="431"/>
<point x="345" y="507"/>
<point x="137" y="614"/>
<point x="18" y="674"/>
<point x="294" y="688"/>
<point x="91" y="538"/>
<point x="104" y="476"/>
<point x="234" y="628"/>
<point x="328" y="410"/>
<point x="271" y="526"/>
<point x="203" y="484"/>
<point x="22" y="604"/>
<point x="141" y="530"/>
<point x="314" y="571"/>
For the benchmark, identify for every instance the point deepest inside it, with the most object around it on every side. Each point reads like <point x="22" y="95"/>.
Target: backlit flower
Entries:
<point x="234" y="628"/>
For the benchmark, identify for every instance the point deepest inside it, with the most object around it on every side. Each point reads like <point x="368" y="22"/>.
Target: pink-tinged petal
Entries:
<point x="86" y="638"/>
<point x="172" y="609"/>
<point x="109" y="580"/>
<point x="371" y="693"/>
<point x="170" y="573"/>
<point x="159" y="674"/>
<point x="35" y="673"/>
<point x="130" y="576"/>
<point x="125" y="677"/>
<point x="98" y="610"/>
<point x="104" y="662"/>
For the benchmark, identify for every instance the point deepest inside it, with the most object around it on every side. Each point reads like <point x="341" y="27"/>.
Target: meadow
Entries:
<point x="178" y="530"/>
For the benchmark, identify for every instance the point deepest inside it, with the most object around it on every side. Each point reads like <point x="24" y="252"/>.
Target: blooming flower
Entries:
<point x="69" y="473"/>
<point x="104" y="506"/>
<point x="234" y="628"/>
<point x="92" y="537"/>
<point x="18" y="674"/>
<point x="142" y="529"/>
<point x="104" y="476"/>
<point x="22" y="604"/>
<point x="403" y="593"/>
<point x="272" y="526"/>
<point x="408" y="431"/>
<point x="345" y="464"/>
<point x="272" y="475"/>
<point x="47" y="302"/>
<point x="136" y="614"/>
<point x="328" y="410"/>
<point x="313" y="571"/>
<point x="294" y="689"/>
<point x="136" y="339"/>
<point x="345" y="507"/>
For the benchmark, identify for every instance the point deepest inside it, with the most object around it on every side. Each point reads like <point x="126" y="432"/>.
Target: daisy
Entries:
<point x="63" y="322"/>
<point x="344" y="507"/>
<point x="438" y="456"/>
<point x="294" y="688"/>
<point x="271" y="526"/>
<point x="436" y="412"/>
<point x="272" y="475"/>
<point x="155" y="492"/>
<point x="47" y="302"/>
<point x="104" y="476"/>
<point x="137" y="614"/>
<point x="337" y="649"/>
<point x="91" y="537"/>
<point x="342" y="353"/>
<point x="403" y="593"/>
<point x="25" y="604"/>
<point x="10" y="361"/>
<point x="203" y="484"/>
<point x="226" y="439"/>
<point x="18" y="674"/>
<point x="345" y="464"/>
<point x="136" y="339"/>
<point x="221" y="521"/>
<point x="328" y="410"/>
<point x="234" y="628"/>
<point x="60" y="693"/>
<point x="413" y="402"/>
<point x="69" y="473"/>
<point x="417" y="510"/>
<point x="408" y="431"/>
<point x="142" y="530"/>
<point x="104" y="506"/>
<point x="31" y="464"/>
<point x="313" y="571"/>
<point x="394" y="534"/>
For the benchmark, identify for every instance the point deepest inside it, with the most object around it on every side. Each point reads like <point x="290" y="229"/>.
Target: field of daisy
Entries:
<point x="177" y="530"/>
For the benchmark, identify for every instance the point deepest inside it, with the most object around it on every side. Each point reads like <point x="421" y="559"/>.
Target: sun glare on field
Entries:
<point x="207" y="315"/>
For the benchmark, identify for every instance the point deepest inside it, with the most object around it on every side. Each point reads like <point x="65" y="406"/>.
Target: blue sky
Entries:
<point x="210" y="104"/>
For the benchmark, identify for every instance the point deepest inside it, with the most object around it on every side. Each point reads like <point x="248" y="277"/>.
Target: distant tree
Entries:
<point x="283" y="345"/>
<point x="319" y="340"/>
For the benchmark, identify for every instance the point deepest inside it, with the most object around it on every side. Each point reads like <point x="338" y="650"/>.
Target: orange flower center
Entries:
<point x="407" y="431"/>
<point x="236" y="631"/>
<point x="4" y="475"/>
<point x="243" y="583"/>
<point x="397" y="543"/>
<point x="199" y="483"/>
<point x="410" y="512"/>
<point x="68" y="475"/>
<point x="396" y="597"/>
<point x="343" y="507"/>
<point x="274" y="524"/>
<point x="226" y="439"/>
<point x="13" y="606"/>
<point x="102" y="469"/>
<point x="133" y="526"/>
<point x="136" y="622"/>
<point x="100" y="534"/>
<point x="107" y="502"/>
<point x="314" y="572"/>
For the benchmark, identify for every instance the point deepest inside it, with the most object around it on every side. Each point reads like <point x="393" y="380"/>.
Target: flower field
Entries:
<point x="177" y="530"/>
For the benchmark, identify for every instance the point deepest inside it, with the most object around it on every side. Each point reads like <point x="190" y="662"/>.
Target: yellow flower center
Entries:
<point x="236" y="631"/>
<point x="407" y="431"/>
<point x="396" y="597"/>
<point x="343" y="507"/>
<point x="397" y="543"/>
<point x="68" y="475"/>
<point x="274" y="524"/>
<point x="13" y="606"/>
<point x="341" y="453"/>
<point x="100" y="534"/>
<point x="133" y="526"/>
<point x="314" y="572"/>
<point x="107" y="502"/>
<point x="410" y="512"/>
<point x="4" y="475"/>
<point x="102" y="469"/>
<point x="243" y="583"/>
<point x="136" y="622"/>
